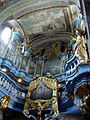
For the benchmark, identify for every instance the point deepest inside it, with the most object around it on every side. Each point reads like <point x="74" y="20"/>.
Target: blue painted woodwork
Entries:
<point x="73" y="76"/>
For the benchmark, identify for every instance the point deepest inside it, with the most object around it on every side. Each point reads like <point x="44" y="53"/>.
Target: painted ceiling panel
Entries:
<point x="45" y="20"/>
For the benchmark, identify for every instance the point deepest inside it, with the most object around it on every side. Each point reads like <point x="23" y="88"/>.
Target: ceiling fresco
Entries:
<point x="46" y="20"/>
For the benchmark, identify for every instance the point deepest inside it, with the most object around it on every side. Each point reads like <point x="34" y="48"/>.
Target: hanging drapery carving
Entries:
<point x="38" y="92"/>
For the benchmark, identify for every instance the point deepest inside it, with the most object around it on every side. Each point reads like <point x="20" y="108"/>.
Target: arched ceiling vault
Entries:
<point x="40" y="21"/>
<point x="22" y="7"/>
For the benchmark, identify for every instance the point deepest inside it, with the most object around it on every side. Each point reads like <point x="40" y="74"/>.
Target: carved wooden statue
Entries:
<point x="80" y="49"/>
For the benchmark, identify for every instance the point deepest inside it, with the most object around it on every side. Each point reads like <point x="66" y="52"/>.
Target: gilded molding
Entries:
<point x="36" y="104"/>
<point x="4" y="102"/>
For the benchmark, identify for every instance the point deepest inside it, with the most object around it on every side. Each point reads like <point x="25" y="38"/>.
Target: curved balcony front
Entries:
<point x="8" y="87"/>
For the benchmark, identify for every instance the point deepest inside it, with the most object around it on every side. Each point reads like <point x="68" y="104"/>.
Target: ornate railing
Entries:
<point x="6" y="63"/>
<point x="10" y="88"/>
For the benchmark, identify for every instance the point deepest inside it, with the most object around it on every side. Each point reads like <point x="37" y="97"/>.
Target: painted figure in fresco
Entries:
<point x="80" y="47"/>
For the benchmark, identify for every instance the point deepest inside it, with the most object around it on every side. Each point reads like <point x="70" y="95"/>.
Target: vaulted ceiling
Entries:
<point x="45" y="20"/>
